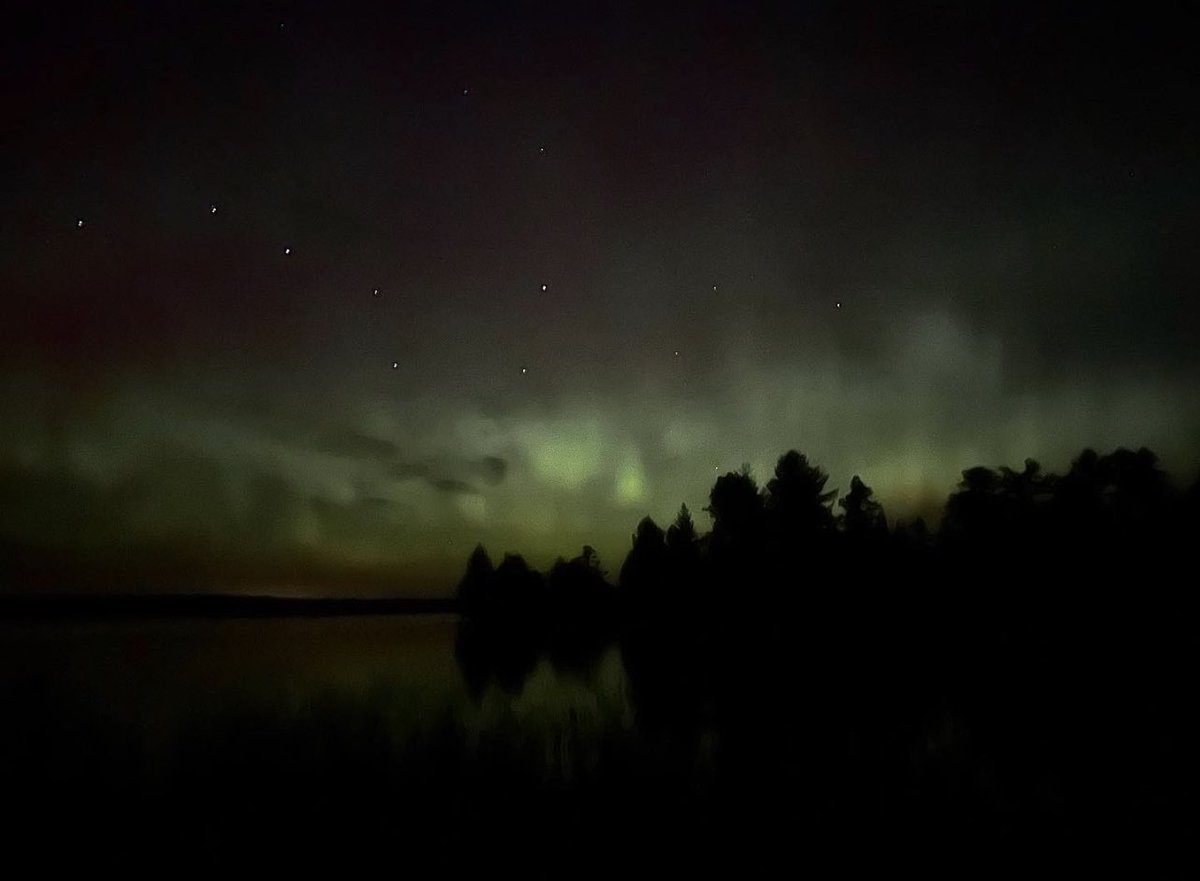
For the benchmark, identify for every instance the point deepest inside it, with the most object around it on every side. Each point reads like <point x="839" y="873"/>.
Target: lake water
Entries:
<point x="364" y="732"/>
<point x="154" y="676"/>
<point x="353" y="735"/>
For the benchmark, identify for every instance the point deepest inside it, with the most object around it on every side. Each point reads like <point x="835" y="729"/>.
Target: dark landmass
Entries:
<point x="78" y="606"/>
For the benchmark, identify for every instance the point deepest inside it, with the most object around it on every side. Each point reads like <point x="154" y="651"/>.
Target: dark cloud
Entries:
<point x="494" y="468"/>
<point x="452" y="485"/>
<point x="490" y="469"/>
<point x="408" y="470"/>
<point x="358" y="445"/>
<point x="374" y="503"/>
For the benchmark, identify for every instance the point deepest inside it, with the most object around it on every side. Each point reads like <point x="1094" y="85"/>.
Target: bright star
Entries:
<point x="287" y="251"/>
<point x="212" y="209"/>
<point x="395" y="364"/>
<point x="543" y="287"/>
<point x="79" y="224"/>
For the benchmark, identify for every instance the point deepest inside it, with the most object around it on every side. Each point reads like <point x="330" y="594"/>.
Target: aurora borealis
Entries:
<point x="296" y="297"/>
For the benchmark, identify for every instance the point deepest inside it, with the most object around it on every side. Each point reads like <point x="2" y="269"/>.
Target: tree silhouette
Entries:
<point x="475" y="588"/>
<point x="519" y="593"/>
<point x="578" y="586"/>
<point x="1122" y="491"/>
<point x="684" y="550"/>
<point x="644" y="573"/>
<point x="737" y="510"/>
<point x="582" y="609"/>
<point x="974" y="513"/>
<point x="797" y="501"/>
<point x="862" y="516"/>
<point x="681" y="535"/>
<point x="1136" y="488"/>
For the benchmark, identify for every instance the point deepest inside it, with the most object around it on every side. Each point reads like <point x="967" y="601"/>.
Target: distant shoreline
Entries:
<point x="76" y="606"/>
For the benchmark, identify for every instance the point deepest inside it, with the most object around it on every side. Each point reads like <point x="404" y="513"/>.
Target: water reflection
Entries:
<point x="238" y="733"/>
<point x="156" y="676"/>
<point x="713" y="750"/>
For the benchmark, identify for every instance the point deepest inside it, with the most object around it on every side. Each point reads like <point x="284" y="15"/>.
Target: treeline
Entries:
<point x="1028" y="572"/>
<point x="793" y="541"/>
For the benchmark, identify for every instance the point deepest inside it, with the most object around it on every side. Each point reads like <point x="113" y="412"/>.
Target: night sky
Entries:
<point x="297" y="297"/>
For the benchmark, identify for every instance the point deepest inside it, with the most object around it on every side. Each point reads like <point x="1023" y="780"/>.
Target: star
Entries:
<point x="676" y="353"/>
<point x="375" y="292"/>
<point x="541" y="149"/>
<point x="543" y="287"/>
<point x="523" y="371"/>
<point x="395" y="365"/>
<point x="212" y="209"/>
<point x="714" y="287"/>
<point x="79" y="224"/>
<point x="465" y="91"/>
<point x="839" y="304"/>
<point x="287" y="251"/>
